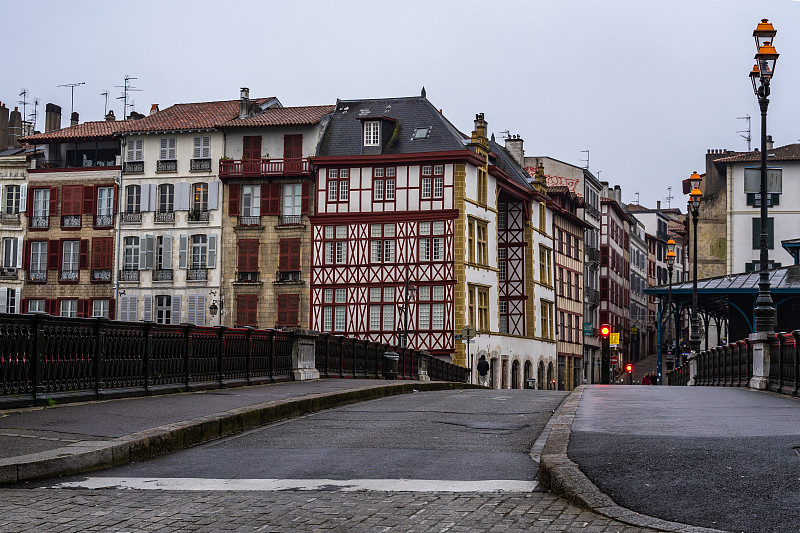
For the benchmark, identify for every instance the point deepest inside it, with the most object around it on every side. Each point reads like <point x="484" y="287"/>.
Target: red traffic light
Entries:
<point x="605" y="330"/>
<point x="629" y="368"/>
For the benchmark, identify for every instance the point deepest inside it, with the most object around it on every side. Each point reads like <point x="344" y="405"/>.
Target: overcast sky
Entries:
<point x="646" y="86"/>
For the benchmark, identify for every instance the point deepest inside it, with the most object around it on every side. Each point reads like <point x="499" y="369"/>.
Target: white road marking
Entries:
<point x="349" y="485"/>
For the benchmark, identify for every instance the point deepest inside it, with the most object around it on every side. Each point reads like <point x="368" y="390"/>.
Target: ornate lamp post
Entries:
<point x="670" y="264"/>
<point x="409" y="292"/>
<point x="694" y="207"/>
<point x="760" y="76"/>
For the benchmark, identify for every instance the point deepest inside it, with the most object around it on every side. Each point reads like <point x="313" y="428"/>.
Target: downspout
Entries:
<point x="118" y="306"/>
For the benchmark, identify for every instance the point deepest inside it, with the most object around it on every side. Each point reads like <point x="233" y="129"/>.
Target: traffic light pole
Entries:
<point x="606" y="361"/>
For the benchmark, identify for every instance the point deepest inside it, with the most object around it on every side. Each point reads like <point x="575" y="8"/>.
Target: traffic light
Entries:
<point x="605" y="354"/>
<point x="605" y="331"/>
<point x="629" y="368"/>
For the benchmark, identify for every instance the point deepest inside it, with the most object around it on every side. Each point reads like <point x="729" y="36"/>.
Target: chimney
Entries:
<point x="658" y="205"/>
<point x="3" y="126"/>
<point x="153" y="108"/>
<point x="73" y="119"/>
<point x="514" y="147"/>
<point x="770" y="144"/>
<point x="110" y="116"/>
<point x="244" y="102"/>
<point x="52" y="118"/>
<point x="14" y="127"/>
<point x="618" y="194"/>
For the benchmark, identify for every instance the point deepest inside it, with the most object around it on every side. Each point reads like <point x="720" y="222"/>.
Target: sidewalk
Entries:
<point x="664" y="457"/>
<point x="41" y="442"/>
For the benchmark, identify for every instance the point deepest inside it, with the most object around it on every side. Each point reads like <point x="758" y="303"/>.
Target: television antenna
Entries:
<point x="35" y="114"/>
<point x="505" y="134"/>
<point x="105" y="95"/>
<point x="669" y="197"/>
<point x="72" y="97"/>
<point x="24" y="94"/>
<point x="747" y="137"/>
<point x="587" y="158"/>
<point x="127" y="88"/>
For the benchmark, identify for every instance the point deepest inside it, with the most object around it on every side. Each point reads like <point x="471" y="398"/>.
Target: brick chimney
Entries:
<point x="514" y="147"/>
<point x="3" y="126"/>
<point x="52" y="118"/>
<point x="73" y="119"/>
<point x="153" y="108"/>
<point x="770" y="144"/>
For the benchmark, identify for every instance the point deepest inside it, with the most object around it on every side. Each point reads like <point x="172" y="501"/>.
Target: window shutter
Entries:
<point x="148" y="307"/>
<point x="111" y="309"/>
<point x="283" y="309"/>
<point x="206" y="153"/>
<point x="212" y="250"/>
<point x="293" y="310"/>
<point x="274" y="199"/>
<point x="84" y="308"/>
<point x="213" y="195"/>
<point x="306" y="205"/>
<point x="53" y="255"/>
<point x="182" y="196"/>
<point x="144" y="199"/>
<point x="243" y="250"/>
<point x="264" y="199"/>
<point x="150" y="243"/>
<point x="3" y="299"/>
<point x="283" y="262"/>
<point x="143" y="252"/>
<point x="26" y="256"/>
<point x="88" y="199"/>
<point x="166" y="251"/>
<point x="19" y="252"/>
<point x="153" y="195"/>
<point x="114" y="202"/>
<point x="123" y="308"/>
<point x="17" y="301"/>
<point x="162" y="154"/>
<point x="175" y="317"/>
<point x="200" y="310"/>
<point x="191" y="305"/>
<point x="253" y="256"/>
<point x="23" y="197"/>
<point x="233" y="199"/>
<point x="172" y="151"/>
<point x="53" y="201"/>
<point x="71" y="196"/>
<point x="83" y="257"/>
<point x="197" y="148"/>
<point x="183" y="250"/>
<point x="294" y="254"/>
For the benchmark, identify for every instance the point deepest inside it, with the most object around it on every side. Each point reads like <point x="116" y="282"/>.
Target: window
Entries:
<point x="135" y="149"/>
<point x="38" y="261"/>
<point x="382" y="245"/>
<point x="11" y="199"/>
<point x="483" y="245"/>
<point x="431" y="247"/>
<point x="100" y="308"/>
<point x="131" y="256"/>
<point x="371" y="133"/>
<point x="543" y="217"/>
<point x="201" y="148"/>
<point x="338" y="184"/>
<point x="246" y="310"/>
<point x="482" y="186"/>
<point x="133" y="198"/>
<point x="168" y="149"/>
<point x="251" y="200"/>
<point x="502" y="265"/>
<point x="102" y="257"/>
<point x="757" y="233"/>
<point x="163" y="309"/>
<point x="547" y="319"/>
<point x="36" y="306"/>
<point x="200" y="195"/>
<point x="377" y="190"/>
<point x="430" y="307"/>
<point x="41" y="203"/>
<point x="425" y="184"/>
<point x="421" y="133"/>
<point x="105" y="207"/>
<point x="288" y="310"/>
<point x="544" y="265"/>
<point x="11" y="250"/>
<point x="70" y="251"/>
<point x="166" y="198"/>
<point x="248" y="260"/>
<point x="292" y="201"/>
<point x="390" y="183"/>
<point x="199" y="252"/>
<point x="483" y="308"/>
<point x="69" y="308"/>
<point x="383" y="184"/>
<point x="164" y="254"/>
<point x="438" y="181"/>
<point x="335" y="245"/>
<point x="381" y="309"/>
<point x="289" y="263"/>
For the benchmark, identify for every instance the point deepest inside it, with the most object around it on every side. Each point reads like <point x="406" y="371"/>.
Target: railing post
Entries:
<point x="304" y="347"/>
<point x="221" y="338"/>
<point x="761" y="360"/>
<point x="187" y="354"/>
<point x="148" y="357"/>
<point x="99" y="354"/>
<point x="796" y="335"/>
<point x="423" y="360"/>
<point x="37" y="357"/>
<point x="693" y="370"/>
<point x="249" y="357"/>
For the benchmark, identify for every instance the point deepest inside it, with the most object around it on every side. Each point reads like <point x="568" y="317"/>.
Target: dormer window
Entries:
<point x="371" y="133"/>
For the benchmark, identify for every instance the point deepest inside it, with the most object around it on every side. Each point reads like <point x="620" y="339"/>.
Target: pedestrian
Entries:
<point x="483" y="371"/>
<point x="646" y="379"/>
<point x="653" y="379"/>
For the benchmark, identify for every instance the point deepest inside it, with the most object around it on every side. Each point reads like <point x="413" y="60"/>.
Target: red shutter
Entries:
<point x="26" y="255"/>
<point x="294" y="254"/>
<point x="251" y="147"/>
<point x="67" y="202"/>
<point x="283" y="309"/>
<point x="266" y="191"/>
<point x="306" y="206"/>
<point x="233" y="199"/>
<point x="274" y="199"/>
<point x="293" y="310"/>
<point x="248" y="255"/>
<point x="53" y="201"/>
<point x="88" y="199"/>
<point x="247" y="310"/>
<point x="83" y="256"/>
<point x="292" y="146"/>
<point x="283" y="261"/>
<point x="115" y="201"/>
<point x="24" y="304"/>
<point x="53" y="255"/>
<point x="83" y="308"/>
<point x="51" y="307"/>
<point x="111" y="308"/>
<point x="29" y="208"/>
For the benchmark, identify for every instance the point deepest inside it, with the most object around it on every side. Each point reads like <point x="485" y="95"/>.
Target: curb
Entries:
<point x="85" y="456"/>
<point x="562" y="477"/>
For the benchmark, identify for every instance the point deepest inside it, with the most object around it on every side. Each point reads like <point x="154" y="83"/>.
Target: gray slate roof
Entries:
<point x="506" y="162"/>
<point x="343" y="136"/>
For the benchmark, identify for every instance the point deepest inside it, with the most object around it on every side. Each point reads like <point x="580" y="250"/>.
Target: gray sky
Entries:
<point x="646" y="86"/>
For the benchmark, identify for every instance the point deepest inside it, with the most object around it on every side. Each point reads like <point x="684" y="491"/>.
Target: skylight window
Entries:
<point x="421" y="133"/>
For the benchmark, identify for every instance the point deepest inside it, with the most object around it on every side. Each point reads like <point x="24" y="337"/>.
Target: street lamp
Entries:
<point x="670" y="264"/>
<point x="408" y="290"/>
<point x="694" y="207"/>
<point x="214" y="308"/>
<point x="760" y="76"/>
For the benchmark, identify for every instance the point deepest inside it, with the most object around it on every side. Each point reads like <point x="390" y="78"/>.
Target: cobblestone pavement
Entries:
<point x="118" y="511"/>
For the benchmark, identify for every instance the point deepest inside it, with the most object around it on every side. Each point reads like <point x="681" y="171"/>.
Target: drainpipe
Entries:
<point x="120" y="193"/>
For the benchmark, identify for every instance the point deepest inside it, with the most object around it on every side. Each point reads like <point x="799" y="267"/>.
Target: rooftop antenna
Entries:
<point x="105" y="95"/>
<point x="24" y="94"/>
<point x="587" y="158"/>
<point x="126" y="88"/>
<point x="669" y="197"/>
<point x="747" y="131"/>
<point x="72" y="97"/>
<point x="505" y="134"/>
<point x="35" y="114"/>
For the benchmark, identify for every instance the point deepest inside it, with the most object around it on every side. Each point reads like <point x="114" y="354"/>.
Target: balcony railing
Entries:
<point x="8" y="272"/>
<point x="593" y="296"/>
<point x="70" y="221"/>
<point x="662" y="235"/>
<point x="200" y="164"/>
<point x="247" y="277"/>
<point x="593" y="211"/>
<point x="287" y="276"/>
<point x="592" y="255"/>
<point x="131" y="218"/>
<point x="134" y="167"/>
<point x="291" y="220"/>
<point x="101" y="274"/>
<point x="64" y="163"/>
<point x="167" y="165"/>
<point x="129" y="275"/>
<point x="250" y="221"/>
<point x="165" y="216"/>
<point x="251" y="168"/>
<point x="68" y="275"/>
<point x="162" y="274"/>
<point x="197" y="274"/>
<point x="103" y="221"/>
<point x="39" y="276"/>
<point x="10" y="218"/>
<point x="39" y="222"/>
<point x="198" y="216"/>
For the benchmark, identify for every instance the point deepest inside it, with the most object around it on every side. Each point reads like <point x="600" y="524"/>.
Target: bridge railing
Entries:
<point x="74" y="359"/>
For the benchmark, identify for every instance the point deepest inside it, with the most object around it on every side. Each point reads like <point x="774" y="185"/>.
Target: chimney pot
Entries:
<point x="153" y="108"/>
<point x="770" y="144"/>
<point x="110" y="116"/>
<point x="73" y="119"/>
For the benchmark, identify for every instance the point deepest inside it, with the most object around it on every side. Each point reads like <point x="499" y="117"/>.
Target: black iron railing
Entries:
<point x="730" y="365"/>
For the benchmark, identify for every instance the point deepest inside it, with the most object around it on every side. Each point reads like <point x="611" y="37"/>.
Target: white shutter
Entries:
<point x="19" y="252"/>
<point x="206" y="151"/>
<point x="200" y="310"/>
<point x="17" y="301"/>
<point x="153" y="197"/>
<point x="122" y="311"/>
<point x="162" y="154"/>
<point x="255" y="206"/>
<point x="3" y="299"/>
<point x="213" y="195"/>
<point x="131" y="150"/>
<point x="172" y="148"/>
<point x="175" y="317"/>
<point x="183" y="193"/>
<point x="150" y="243"/>
<point x="191" y="315"/>
<point x="197" y="148"/>
<point x="148" y="307"/>
<point x="166" y="252"/>
<point x="23" y="197"/>
<point x="212" y="250"/>
<point x="183" y="250"/>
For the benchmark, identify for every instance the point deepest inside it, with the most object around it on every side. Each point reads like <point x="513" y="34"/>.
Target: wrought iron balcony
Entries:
<point x="101" y="274"/>
<point x="287" y="276"/>
<point x="8" y="272"/>
<point x="131" y="218"/>
<point x="167" y="165"/>
<point x="254" y="168"/>
<point x="200" y="164"/>
<point x="39" y="276"/>
<point x="291" y="220"/>
<point x="129" y="275"/>
<point x="592" y="211"/>
<point x="39" y="222"/>
<point x="250" y="221"/>
<point x="165" y="216"/>
<point x="134" y="167"/>
<point x="247" y="277"/>
<point x="198" y="216"/>
<point x="70" y="221"/>
<point x="662" y="235"/>
<point x="162" y="274"/>
<point x="103" y="221"/>
<point x="592" y="297"/>
<point x="197" y="274"/>
<point x="10" y="218"/>
<point x="68" y="275"/>
<point x="592" y="255"/>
